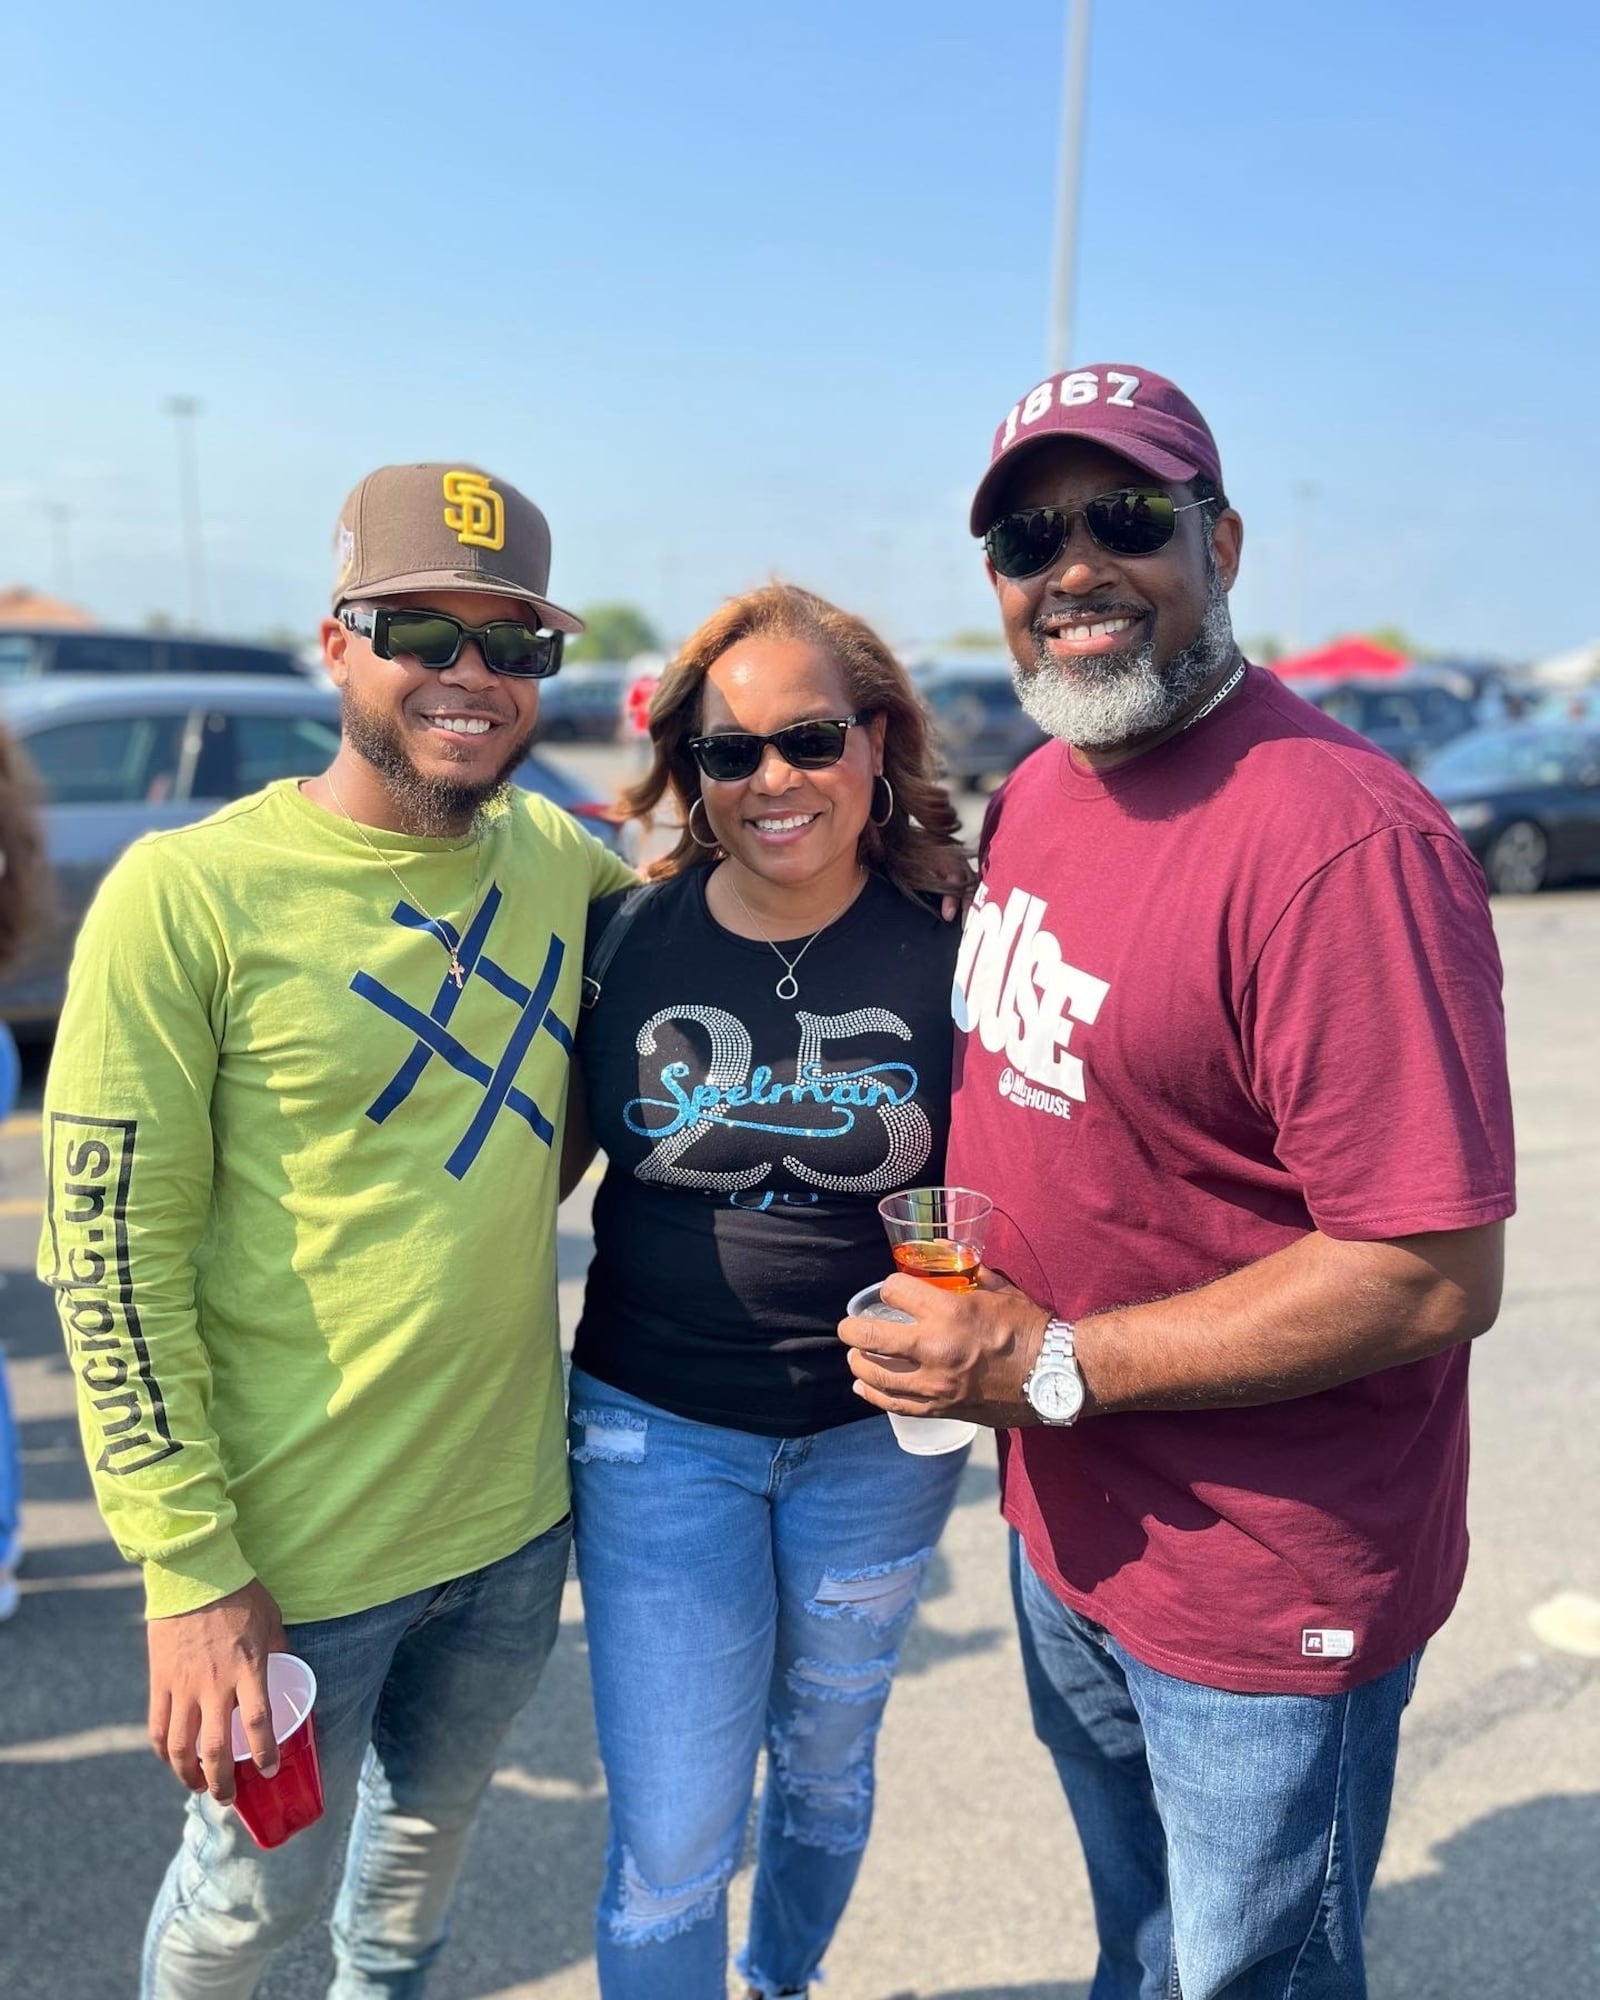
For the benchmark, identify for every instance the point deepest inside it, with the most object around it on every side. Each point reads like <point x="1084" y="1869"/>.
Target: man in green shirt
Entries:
<point x="302" y="1138"/>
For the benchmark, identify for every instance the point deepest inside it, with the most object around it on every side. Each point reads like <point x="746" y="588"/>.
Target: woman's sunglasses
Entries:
<point x="1135" y="522"/>
<point x="808" y="746"/>
<point x="434" y="639"/>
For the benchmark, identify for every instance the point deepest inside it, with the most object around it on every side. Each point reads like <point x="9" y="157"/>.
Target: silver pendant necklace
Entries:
<point x="788" y="987"/>
<point x="1217" y="699"/>
<point x="447" y="934"/>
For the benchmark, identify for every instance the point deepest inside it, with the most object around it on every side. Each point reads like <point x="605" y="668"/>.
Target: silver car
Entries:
<point x="123" y="755"/>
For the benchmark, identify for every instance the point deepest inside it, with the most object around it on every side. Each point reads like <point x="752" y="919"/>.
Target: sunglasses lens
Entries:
<point x="431" y="640"/>
<point x="812" y="746"/>
<point x="1132" y="524"/>
<point x="522" y="651"/>
<point x="1024" y="544"/>
<point x="725" y="758"/>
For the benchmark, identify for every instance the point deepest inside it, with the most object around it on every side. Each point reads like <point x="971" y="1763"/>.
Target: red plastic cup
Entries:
<point x="276" y="1807"/>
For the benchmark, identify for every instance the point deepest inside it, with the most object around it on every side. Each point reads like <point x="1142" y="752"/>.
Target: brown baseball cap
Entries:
<point x="444" y="527"/>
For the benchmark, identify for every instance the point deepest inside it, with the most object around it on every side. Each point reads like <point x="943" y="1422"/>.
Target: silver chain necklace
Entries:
<point x="788" y="987"/>
<point x="447" y="934"/>
<point x="1217" y="699"/>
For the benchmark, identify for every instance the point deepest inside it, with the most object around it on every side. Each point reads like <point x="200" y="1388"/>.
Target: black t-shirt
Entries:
<point x="749" y="1140"/>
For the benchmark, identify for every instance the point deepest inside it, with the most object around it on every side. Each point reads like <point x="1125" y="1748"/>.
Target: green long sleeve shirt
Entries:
<point x="301" y="1198"/>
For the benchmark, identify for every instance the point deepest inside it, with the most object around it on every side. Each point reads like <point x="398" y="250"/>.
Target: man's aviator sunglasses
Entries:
<point x="1133" y="522"/>
<point x="434" y="639"/>
<point x="807" y="746"/>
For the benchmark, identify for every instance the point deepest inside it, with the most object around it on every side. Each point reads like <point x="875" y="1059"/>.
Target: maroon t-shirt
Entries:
<point x="1242" y="987"/>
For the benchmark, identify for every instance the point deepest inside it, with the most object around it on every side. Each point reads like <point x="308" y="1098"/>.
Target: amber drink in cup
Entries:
<point x="937" y="1234"/>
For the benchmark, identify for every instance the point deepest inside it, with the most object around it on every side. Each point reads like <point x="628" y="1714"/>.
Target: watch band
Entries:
<point x="1057" y="1359"/>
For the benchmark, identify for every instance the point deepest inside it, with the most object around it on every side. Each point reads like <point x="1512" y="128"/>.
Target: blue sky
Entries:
<point x="733" y="290"/>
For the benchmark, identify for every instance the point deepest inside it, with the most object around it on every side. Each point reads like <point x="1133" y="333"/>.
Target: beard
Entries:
<point x="1109" y="699"/>
<point x="431" y="807"/>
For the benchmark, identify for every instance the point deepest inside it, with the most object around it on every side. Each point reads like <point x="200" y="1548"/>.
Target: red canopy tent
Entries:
<point x="1344" y="659"/>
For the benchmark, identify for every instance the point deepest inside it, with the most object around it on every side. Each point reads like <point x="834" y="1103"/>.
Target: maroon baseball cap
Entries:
<point x="1143" y="417"/>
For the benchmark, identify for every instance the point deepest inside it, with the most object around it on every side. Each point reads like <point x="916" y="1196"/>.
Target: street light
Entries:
<point x="61" y="537"/>
<point x="1301" y="495"/>
<point x="183" y="410"/>
<point x="1066" y="268"/>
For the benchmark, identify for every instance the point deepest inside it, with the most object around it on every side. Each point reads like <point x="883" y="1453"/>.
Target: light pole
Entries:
<point x="183" y="410"/>
<point x="1071" y="175"/>
<point x="61" y="538"/>
<point x="1302" y="493"/>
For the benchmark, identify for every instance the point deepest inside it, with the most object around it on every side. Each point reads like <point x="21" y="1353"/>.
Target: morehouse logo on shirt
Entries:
<point x="1016" y="992"/>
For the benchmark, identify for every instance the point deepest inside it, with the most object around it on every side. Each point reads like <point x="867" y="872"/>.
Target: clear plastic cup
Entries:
<point x="926" y="1437"/>
<point x="291" y="1800"/>
<point x="937" y="1233"/>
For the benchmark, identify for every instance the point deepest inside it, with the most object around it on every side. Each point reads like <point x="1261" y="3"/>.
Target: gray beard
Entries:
<point x="1110" y="699"/>
<point x="431" y="808"/>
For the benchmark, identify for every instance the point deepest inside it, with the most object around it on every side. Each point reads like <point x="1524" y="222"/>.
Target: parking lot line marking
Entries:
<point x="115" y="1739"/>
<point x="21" y="1205"/>
<point x="1569" y="1622"/>
<point x="22" y="1126"/>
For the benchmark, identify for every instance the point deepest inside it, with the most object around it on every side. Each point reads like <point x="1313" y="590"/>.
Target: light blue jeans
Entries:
<point x="1230" y="1839"/>
<point x="10" y="1475"/>
<point x="414" y="1699"/>
<point x="739" y="1591"/>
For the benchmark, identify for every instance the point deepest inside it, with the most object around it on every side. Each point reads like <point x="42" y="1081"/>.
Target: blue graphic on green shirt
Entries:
<point x="496" y="1079"/>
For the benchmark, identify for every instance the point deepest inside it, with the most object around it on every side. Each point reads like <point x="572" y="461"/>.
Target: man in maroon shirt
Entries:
<point x="1231" y="1064"/>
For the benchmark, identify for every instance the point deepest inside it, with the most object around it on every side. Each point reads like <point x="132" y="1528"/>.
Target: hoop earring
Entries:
<point x="700" y="802"/>
<point x="880" y="779"/>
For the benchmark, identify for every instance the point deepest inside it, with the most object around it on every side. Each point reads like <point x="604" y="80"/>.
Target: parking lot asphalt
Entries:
<point x="972" y="1888"/>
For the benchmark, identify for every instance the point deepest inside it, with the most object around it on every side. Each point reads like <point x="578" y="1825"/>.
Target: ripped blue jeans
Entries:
<point x="738" y="1591"/>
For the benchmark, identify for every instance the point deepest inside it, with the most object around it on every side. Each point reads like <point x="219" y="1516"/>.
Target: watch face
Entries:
<point x="1056" y="1393"/>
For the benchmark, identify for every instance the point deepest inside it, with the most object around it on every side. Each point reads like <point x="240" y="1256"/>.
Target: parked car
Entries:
<point x="30" y="653"/>
<point x="125" y="755"/>
<point x="983" y="729"/>
<point x="1409" y="714"/>
<point x="583" y="704"/>
<point x="1527" y="801"/>
<point x="1571" y="704"/>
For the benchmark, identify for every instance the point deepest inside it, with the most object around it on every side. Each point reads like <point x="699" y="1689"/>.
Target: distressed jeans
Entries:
<point x="414" y="1699"/>
<point x="1230" y="1839"/>
<point x="739" y="1591"/>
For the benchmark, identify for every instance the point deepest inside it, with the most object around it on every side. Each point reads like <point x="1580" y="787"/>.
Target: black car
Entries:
<point x="30" y="653"/>
<point x="982" y="728"/>
<point x="1527" y="801"/>
<point x="1411" y="715"/>
<point x="583" y="704"/>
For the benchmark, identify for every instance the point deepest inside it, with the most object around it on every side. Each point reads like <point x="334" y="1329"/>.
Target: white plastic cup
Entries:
<point x="924" y="1437"/>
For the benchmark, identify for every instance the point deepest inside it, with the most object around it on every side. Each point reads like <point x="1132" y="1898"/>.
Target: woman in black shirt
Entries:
<point x="768" y="1056"/>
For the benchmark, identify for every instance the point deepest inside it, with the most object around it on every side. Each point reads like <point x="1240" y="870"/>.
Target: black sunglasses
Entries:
<point x="1134" y="522"/>
<point x="434" y="639"/>
<point x="808" y="746"/>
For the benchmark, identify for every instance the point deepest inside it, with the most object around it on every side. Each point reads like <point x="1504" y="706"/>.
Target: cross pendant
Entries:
<point x="457" y="972"/>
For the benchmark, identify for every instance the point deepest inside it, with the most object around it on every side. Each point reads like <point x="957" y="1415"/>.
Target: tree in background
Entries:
<point x="1394" y="639"/>
<point x="288" y="640"/>
<point x="974" y="639"/>
<point x="1264" y="650"/>
<point x="613" y="632"/>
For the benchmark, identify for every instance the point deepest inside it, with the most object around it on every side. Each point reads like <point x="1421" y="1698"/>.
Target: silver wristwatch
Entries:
<point x="1054" y="1387"/>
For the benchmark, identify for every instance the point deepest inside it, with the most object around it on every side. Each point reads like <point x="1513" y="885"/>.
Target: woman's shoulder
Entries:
<point x="636" y="914"/>
<point x="912" y="918"/>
